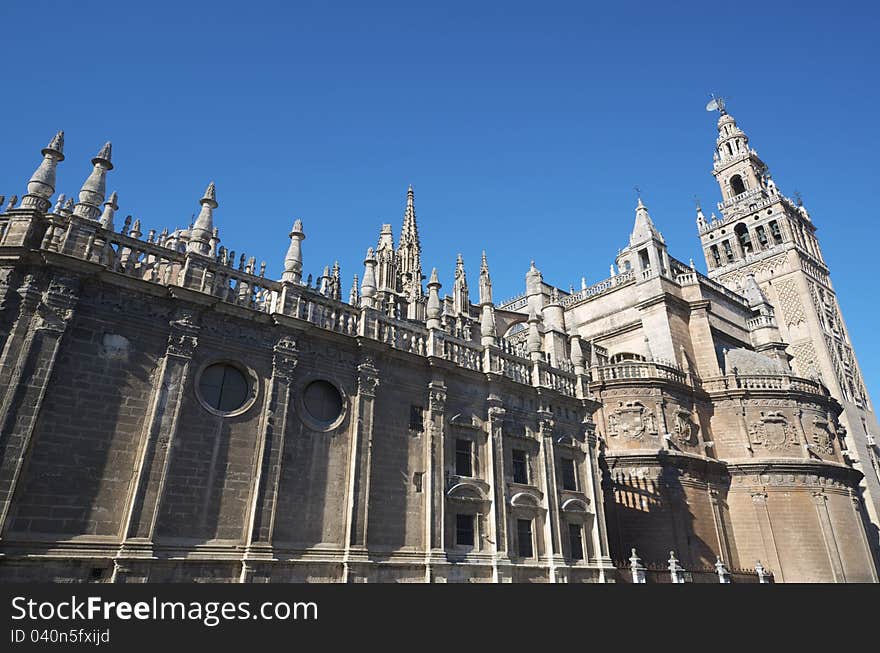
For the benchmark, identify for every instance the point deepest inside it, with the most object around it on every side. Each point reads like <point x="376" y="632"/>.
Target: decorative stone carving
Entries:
<point x="182" y="340"/>
<point x="685" y="429"/>
<point x="773" y="432"/>
<point x="437" y="396"/>
<point x="633" y="421"/>
<point x="822" y="436"/>
<point x="285" y="359"/>
<point x="368" y="377"/>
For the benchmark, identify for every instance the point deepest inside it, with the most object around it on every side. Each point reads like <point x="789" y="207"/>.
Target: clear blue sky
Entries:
<point x="522" y="126"/>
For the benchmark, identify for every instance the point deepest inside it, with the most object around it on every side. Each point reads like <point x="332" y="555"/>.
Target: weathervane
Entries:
<point x="716" y="104"/>
<point x="638" y="192"/>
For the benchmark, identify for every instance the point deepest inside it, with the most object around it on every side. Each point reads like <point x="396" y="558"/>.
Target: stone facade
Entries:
<point x="169" y="413"/>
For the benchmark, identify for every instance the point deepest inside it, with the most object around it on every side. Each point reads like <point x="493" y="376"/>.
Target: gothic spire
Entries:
<point x="409" y="251"/>
<point x="460" y="296"/>
<point x="485" y="282"/>
<point x="42" y="183"/>
<point x="293" y="262"/>
<point x="203" y="228"/>
<point x="91" y="195"/>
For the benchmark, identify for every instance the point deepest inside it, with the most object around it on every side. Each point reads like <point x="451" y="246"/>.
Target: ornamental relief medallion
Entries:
<point x="773" y="432"/>
<point x="822" y="436"/>
<point x="685" y="429"/>
<point x="633" y="421"/>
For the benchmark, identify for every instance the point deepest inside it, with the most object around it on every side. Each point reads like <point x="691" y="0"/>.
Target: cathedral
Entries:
<point x="169" y="413"/>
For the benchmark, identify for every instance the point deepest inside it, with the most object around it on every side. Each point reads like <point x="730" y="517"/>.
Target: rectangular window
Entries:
<point x="576" y="541"/>
<point x="415" y="418"/>
<point x="464" y="450"/>
<point x="520" y="466"/>
<point x="524" y="537"/>
<point x="464" y="530"/>
<point x="774" y="231"/>
<point x="715" y="255"/>
<point x="569" y="474"/>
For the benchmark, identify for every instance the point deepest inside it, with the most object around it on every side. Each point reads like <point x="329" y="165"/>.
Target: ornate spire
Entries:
<point x="409" y="251"/>
<point x="434" y="309"/>
<point x="460" y="296"/>
<point x="386" y="261"/>
<point x="42" y="184"/>
<point x="91" y="195"/>
<point x="488" y="334"/>
<point x="203" y="228"/>
<point x="354" y="296"/>
<point x="110" y="208"/>
<point x="485" y="282"/>
<point x="293" y="262"/>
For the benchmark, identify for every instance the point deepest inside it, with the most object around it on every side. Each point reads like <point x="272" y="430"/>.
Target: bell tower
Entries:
<point x="761" y="236"/>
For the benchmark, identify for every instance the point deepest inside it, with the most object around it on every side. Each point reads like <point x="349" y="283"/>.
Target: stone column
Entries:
<point x="762" y="515"/>
<point x="820" y="500"/>
<point x="599" y="532"/>
<point x="552" y="535"/>
<point x="718" y="519"/>
<point x="160" y="428"/>
<point x="435" y="476"/>
<point x="498" y="486"/>
<point x="29" y="377"/>
<point x="360" y="461"/>
<point x="275" y="419"/>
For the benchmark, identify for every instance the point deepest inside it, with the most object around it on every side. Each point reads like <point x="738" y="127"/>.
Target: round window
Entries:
<point x="322" y="401"/>
<point x="223" y="387"/>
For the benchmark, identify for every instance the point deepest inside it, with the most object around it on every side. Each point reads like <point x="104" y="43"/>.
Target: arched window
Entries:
<point x="737" y="186"/>
<point x="745" y="241"/>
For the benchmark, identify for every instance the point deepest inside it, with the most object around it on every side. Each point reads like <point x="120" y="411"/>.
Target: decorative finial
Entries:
<point x="203" y="228"/>
<point x="110" y="208"/>
<point x="42" y="183"/>
<point x="91" y="195"/>
<point x="56" y="145"/>
<point x="293" y="261"/>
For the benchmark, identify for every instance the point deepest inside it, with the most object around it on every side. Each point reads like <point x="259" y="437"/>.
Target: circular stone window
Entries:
<point x="323" y="403"/>
<point x="224" y="388"/>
